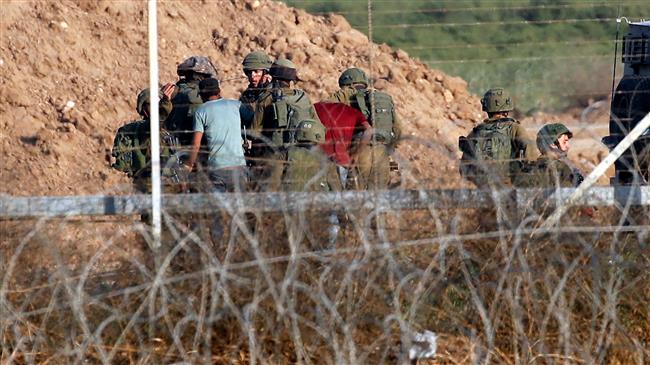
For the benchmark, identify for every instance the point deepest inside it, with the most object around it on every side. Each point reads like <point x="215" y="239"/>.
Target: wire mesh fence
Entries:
<point x="273" y="287"/>
<point x="316" y="275"/>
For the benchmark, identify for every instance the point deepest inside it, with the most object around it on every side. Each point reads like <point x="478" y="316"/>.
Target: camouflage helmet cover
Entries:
<point x="284" y="69"/>
<point x="549" y="134"/>
<point x="353" y="76"/>
<point x="198" y="64"/>
<point x="256" y="60"/>
<point x="497" y="100"/>
<point x="310" y="130"/>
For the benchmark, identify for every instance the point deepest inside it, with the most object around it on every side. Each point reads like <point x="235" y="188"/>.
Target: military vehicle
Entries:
<point x="630" y="103"/>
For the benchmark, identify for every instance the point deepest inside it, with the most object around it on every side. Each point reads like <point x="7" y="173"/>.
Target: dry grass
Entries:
<point x="578" y="294"/>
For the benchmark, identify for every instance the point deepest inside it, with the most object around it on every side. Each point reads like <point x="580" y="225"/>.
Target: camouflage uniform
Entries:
<point x="187" y="99"/>
<point x="548" y="172"/>
<point x="373" y="160"/>
<point x="495" y="150"/>
<point x="286" y="156"/>
<point x="285" y="164"/>
<point x="254" y="61"/>
<point x="132" y="145"/>
<point x="552" y="169"/>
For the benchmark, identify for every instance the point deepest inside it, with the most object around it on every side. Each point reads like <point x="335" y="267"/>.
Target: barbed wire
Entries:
<point x="274" y="288"/>
<point x="471" y="24"/>
<point x="512" y="44"/>
<point x="478" y="9"/>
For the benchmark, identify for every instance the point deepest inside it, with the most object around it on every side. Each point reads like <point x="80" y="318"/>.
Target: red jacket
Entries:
<point x="342" y="123"/>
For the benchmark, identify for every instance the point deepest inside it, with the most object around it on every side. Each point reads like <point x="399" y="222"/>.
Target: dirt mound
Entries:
<point x="70" y="72"/>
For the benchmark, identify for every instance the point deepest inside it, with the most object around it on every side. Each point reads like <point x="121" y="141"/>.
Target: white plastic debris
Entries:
<point x="64" y="25"/>
<point x="68" y="106"/>
<point x="423" y="346"/>
<point x="2" y="62"/>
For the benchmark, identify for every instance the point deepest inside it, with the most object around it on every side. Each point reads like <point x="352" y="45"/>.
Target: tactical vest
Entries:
<point x="380" y="116"/>
<point x="289" y="109"/>
<point x="547" y="173"/>
<point x="132" y="149"/>
<point x="185" y="103"/>
<point x="488" y="152"/>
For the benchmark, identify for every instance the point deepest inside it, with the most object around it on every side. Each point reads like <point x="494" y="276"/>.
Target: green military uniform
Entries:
<point x="188" y="99"/>
<point x="552" y="169"/>
<point x="547" y="172"/>
<point x="254" y="61"/>
<point x="372" y="160"/>
<point x="132" y="144"/>
<point x="495" y="150"/>
<point x="287" y="163"/>
<point x="288" y="127"/>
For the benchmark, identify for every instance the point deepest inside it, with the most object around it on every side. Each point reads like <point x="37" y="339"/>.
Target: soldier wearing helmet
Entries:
<point x="132" y="147"/>
<point x="256" y="67"/>
<point x="187" y="99"/>
<point x="552" y="168"/>
<point x="372" y="159"/>
<point x="494" y="150"/>
<point x="286" y="128"/>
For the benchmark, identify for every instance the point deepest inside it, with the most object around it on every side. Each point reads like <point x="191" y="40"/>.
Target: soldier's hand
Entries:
<point x="169" y="90"/>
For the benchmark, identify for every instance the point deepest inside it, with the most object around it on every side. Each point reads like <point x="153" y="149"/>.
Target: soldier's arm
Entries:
<point x="339" y="96"/>
<point x="524" y="142"/>
<point x="560" y="173"/>
<point x="198" y="128"/>
<point x="312" y="111"/>
<point x="366" y="136"/>
<point x="194" y="150"/>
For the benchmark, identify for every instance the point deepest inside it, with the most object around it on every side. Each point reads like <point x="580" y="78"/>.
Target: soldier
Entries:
<point x="132" y="147"/>
<point x="291" y="160"/>
<point x="373" y="159"/>
<point x="187" y="99"/>
<point x="552" y="168"/>
<point x="287" y="123"/>
<point x="256" y="67"/>
<point x="493" y="151"/>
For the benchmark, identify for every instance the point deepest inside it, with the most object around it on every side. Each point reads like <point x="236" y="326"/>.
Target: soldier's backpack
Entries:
<point x="488" y="154"/>
<point x="132" y="151"/>
<point x="185" y="103"/>
<point x="381" y="117"/>
<point x="289" y="110"/>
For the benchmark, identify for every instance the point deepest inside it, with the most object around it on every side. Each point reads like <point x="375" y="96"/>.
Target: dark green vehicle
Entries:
<point x="631" y="103"/>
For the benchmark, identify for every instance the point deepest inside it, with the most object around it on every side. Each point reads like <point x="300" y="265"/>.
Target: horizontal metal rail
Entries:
<point x="102" y="205"/>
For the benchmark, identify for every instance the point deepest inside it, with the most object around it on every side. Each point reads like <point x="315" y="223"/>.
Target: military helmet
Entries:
<point x="549" y="134"/>
<point x="353" y="76"/>
<point x="310" y="130"/>
<point x="283" y="69"/>
<point x="198" y="64"/>
<point x="256" y="60"/>
<point x="144" y="99"/>
<point x="497" y="100"/>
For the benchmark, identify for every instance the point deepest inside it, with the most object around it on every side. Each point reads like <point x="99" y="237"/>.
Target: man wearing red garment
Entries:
<point x="347" y="130"/>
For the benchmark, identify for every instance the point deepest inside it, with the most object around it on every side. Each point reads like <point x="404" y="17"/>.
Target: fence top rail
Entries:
<point x="103" y="205"/>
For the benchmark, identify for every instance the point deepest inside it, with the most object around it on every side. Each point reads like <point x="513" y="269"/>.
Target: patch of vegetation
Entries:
<point x="552" y="54"/>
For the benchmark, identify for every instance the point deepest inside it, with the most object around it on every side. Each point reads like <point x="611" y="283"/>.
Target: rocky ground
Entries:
<point x="70" y="72"/>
